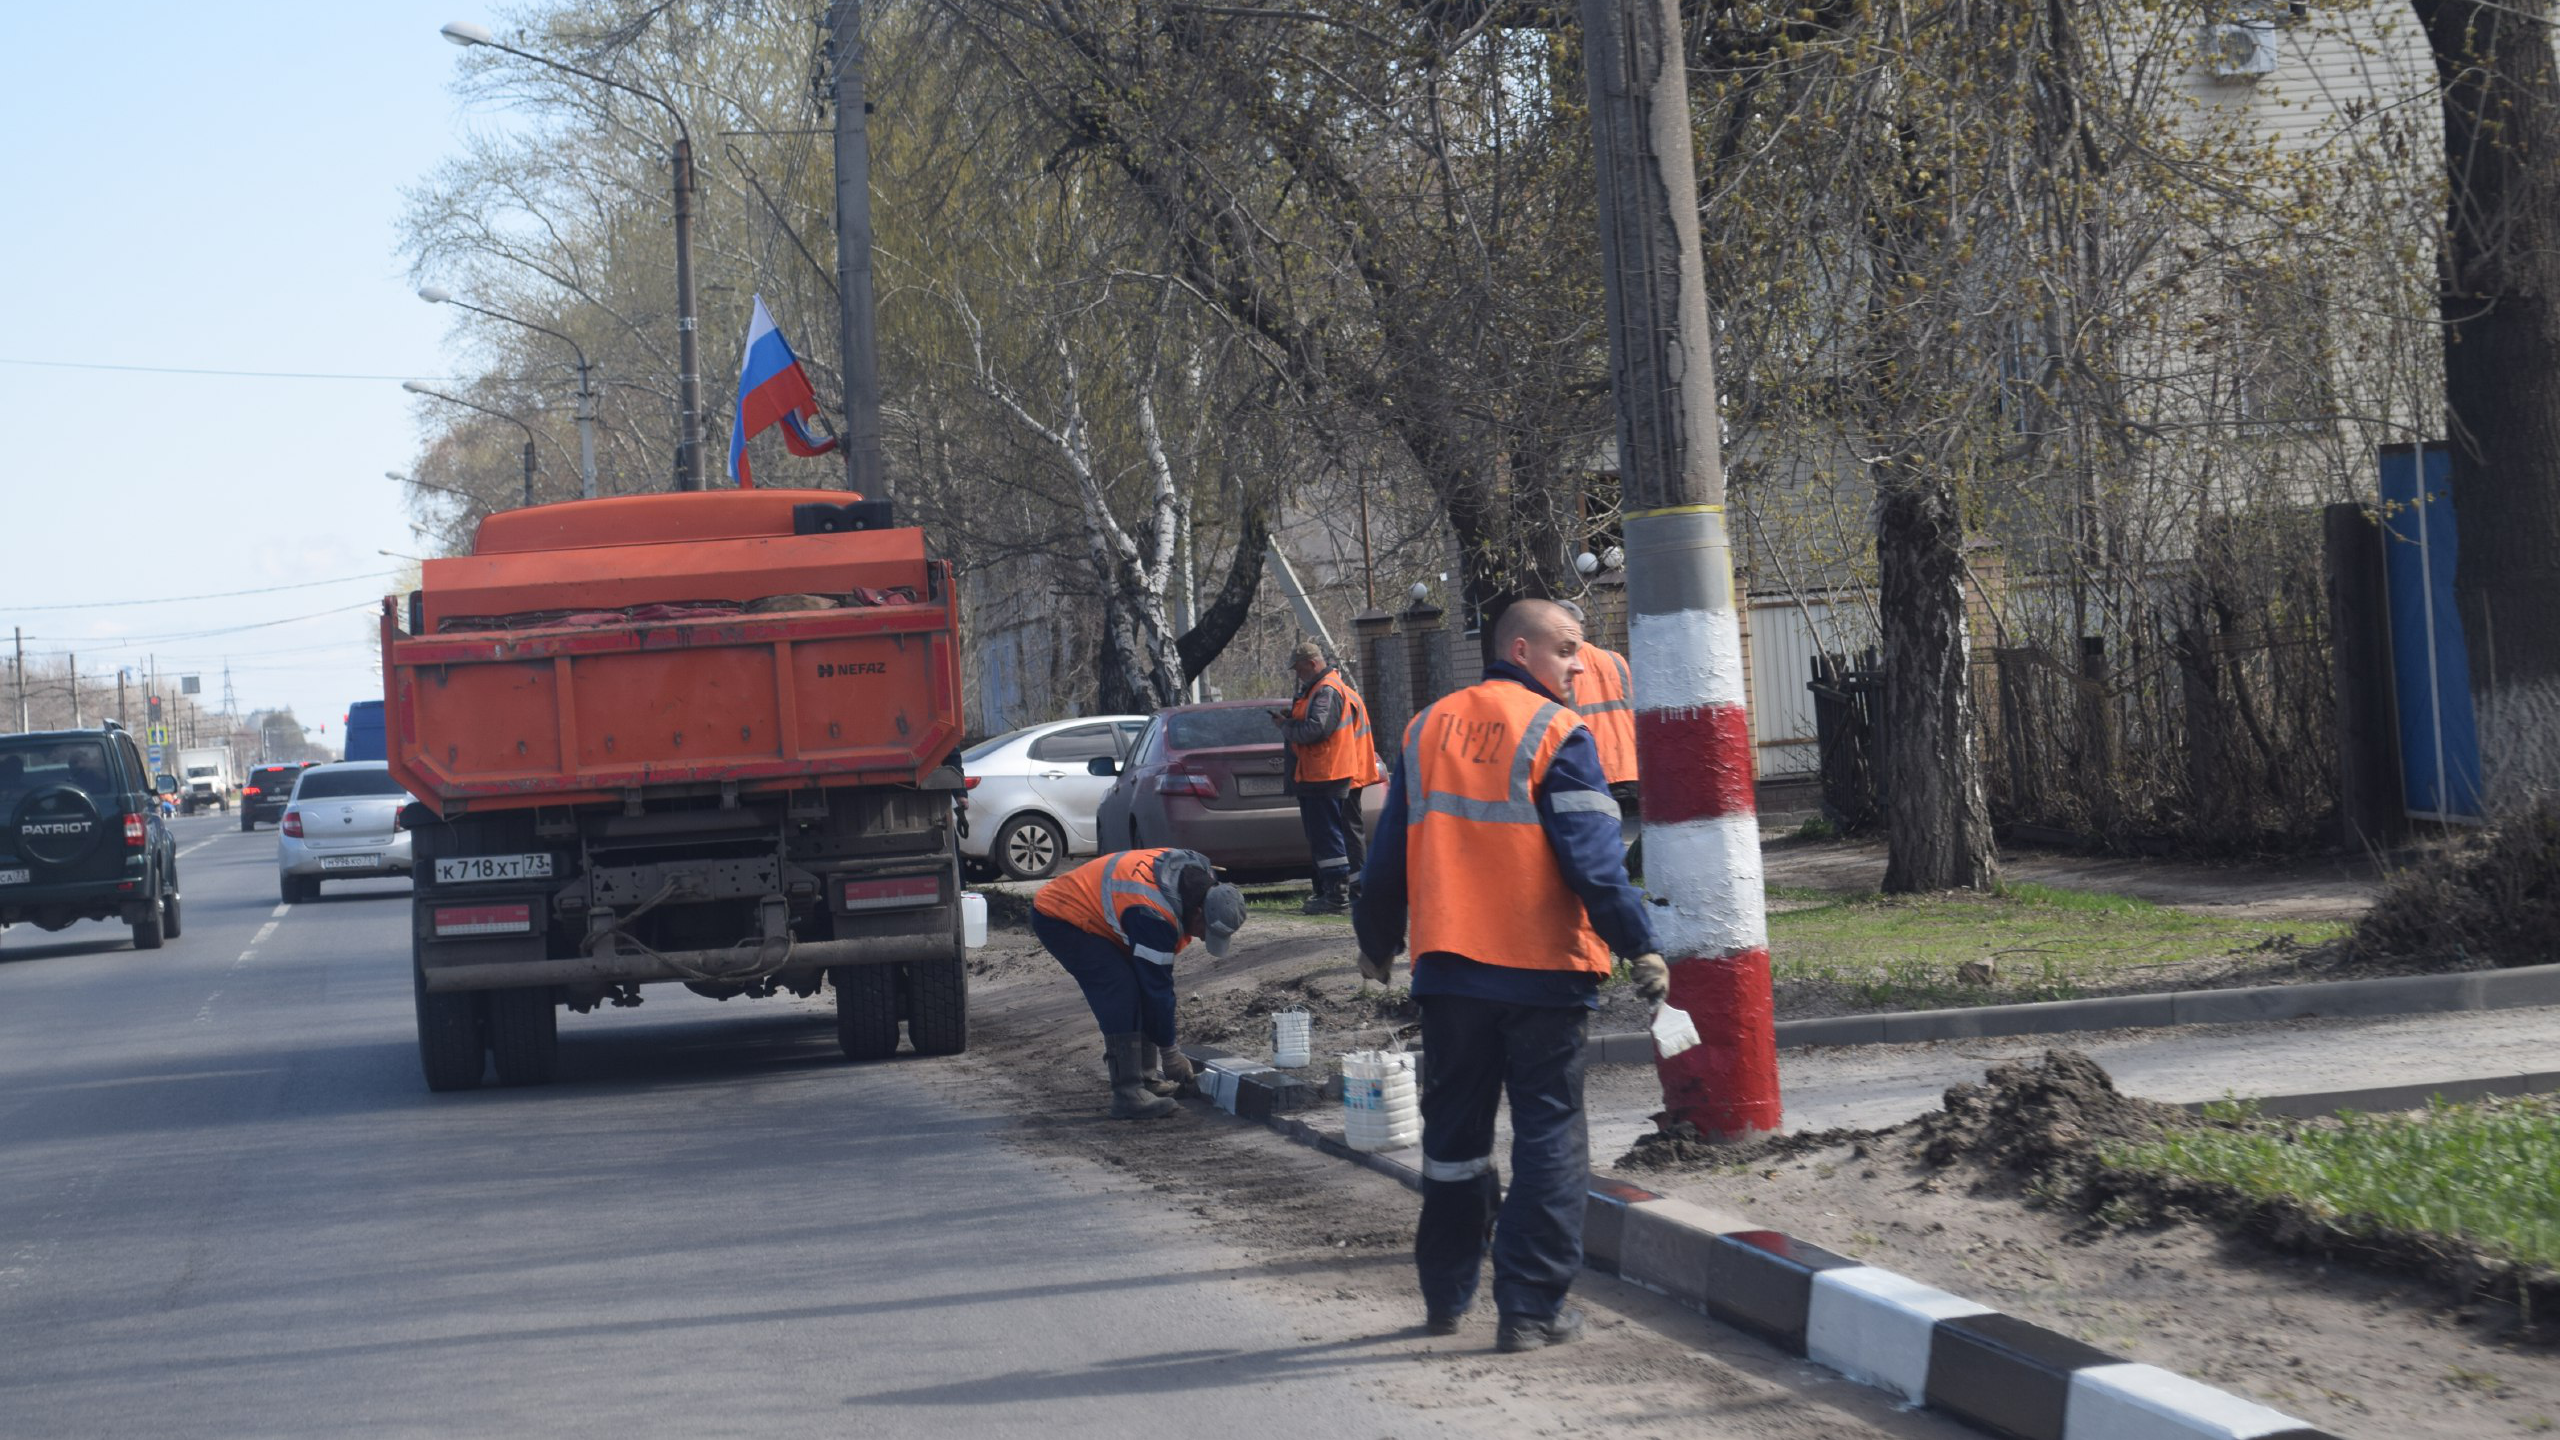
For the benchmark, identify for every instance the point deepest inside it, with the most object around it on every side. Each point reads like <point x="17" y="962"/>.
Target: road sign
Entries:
<point x="155" y="760"/>
<point x="159" y="737"/>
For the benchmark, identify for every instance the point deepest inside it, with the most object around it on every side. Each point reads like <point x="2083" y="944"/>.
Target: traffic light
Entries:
<point x="153" y="702"/>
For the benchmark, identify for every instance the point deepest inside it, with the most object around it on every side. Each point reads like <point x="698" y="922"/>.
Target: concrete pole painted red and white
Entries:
<point x="1693" y="732"/>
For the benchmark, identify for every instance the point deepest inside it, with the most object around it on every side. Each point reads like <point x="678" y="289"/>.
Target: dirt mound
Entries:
<point x="2491" y="901"/>
<point x="1679" y="1147"/>
<point x="2036" y="1120"/>
<point x="1342" y="1010"/>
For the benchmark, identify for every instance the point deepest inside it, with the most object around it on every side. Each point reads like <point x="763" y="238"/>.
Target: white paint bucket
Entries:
<point x="1381" y="1100"/>
<point x="1292" y="1039"/>
<point x="973" y="919"/>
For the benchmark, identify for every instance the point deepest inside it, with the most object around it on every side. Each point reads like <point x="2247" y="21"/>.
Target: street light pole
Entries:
<point x="438" y="295"/>
<point x="688" y="352"/>
<point x="416" y="388"/>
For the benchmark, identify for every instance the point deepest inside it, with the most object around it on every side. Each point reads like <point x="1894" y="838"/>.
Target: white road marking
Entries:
<point x="190" y="850"/>
<point x="261" y="937"/>
<point x="281" y="911"/>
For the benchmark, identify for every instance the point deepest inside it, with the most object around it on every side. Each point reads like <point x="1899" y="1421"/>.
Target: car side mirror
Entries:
<point x="1102" y="765"/>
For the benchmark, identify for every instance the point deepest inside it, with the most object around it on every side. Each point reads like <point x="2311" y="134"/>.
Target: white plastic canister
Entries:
<point x="1292" y="1039"/>
<point x="1381" y="1100"/>
<point x="973" y="919"/>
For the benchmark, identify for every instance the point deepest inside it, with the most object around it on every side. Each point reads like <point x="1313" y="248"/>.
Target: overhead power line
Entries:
<point x="213" y="595"/>
<point x="241" y="374"/>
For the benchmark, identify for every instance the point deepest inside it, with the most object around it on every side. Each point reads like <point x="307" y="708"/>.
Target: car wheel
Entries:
<point x="449" y="1048"/>
<point x="246" y="823"/>
<point x="147" y="931"/>
<point x="290" y="889"/>
<point x="866" y="1010"/>
<point x="524" y="1036"/>
<point x="1029" y="847"/>
<point x="169" y="909"/>
<point x="938" y="1005"/>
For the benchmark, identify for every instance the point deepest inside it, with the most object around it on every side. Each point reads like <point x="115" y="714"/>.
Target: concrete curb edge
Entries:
<point x="1994" y="1372"/>
<point x="2511" y="989"/>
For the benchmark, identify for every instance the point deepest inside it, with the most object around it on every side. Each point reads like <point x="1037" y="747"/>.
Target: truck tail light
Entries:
<point x="1180" y="780"/>
<point x="250" y="790"/>
<point x="456" y="920"/>
<point x="136" y="835"/>
<point x="291" y="824"/>
<point x="970" y="782"/>
<point x="898" y="894"/>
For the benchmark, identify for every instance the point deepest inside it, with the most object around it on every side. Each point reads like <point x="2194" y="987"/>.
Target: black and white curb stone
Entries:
<point x="1995" y="1372"/>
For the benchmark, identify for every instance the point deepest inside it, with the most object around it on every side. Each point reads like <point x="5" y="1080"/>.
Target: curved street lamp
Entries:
<point x="420" y="387"/>
<point x="438" y="295"/>
<point x="688" y="357"/>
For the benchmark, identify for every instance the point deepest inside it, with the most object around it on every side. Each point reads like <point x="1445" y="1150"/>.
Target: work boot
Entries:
<point x="1153" y="1076"/>
<point x="1326" y="900"/>
<point x="1535" y="1332"/>
<point x="1129" y="1097"/>
<point x="1442" y="1322"/>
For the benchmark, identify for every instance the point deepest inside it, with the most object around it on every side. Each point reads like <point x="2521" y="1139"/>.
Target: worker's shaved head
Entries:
<point x="1530" y="620"/>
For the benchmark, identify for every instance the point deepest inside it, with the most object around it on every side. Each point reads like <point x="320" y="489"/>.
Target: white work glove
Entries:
<point x="1378" y="968"/>
<point x="1652" y="978"/>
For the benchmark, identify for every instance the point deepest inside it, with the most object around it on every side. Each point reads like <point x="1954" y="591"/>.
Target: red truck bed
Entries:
<point x="593" y="648"/>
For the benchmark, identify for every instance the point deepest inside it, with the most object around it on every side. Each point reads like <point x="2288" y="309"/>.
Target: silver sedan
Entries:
<point x="343" y="823"/>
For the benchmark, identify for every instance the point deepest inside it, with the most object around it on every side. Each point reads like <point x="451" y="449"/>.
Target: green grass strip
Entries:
<point x="2487" y="1174"/>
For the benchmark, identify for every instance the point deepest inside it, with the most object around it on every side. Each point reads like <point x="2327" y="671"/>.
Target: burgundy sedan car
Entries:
<point x="1213" y="778"/>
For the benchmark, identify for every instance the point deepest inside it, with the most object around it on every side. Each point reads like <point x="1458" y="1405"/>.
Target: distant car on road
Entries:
<point x="81" y="836"/>
<point x="1032" y="793"/>
<point x="264" y="793"/>
<point x="343" y="823"/>
<point x="1213" y="778"/>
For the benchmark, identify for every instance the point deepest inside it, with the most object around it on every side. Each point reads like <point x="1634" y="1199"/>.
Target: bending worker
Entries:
<point x="1332" y="759"/>
<point x="1499" y="843"/>
<point x="1116" y="923"/>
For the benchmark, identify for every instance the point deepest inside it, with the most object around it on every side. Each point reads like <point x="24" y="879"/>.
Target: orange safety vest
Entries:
<point x="1348" y="753"/>
<point x="1604" y="693"/>
<point x="1091" y="896"/>
<point x="1483" y="879"/>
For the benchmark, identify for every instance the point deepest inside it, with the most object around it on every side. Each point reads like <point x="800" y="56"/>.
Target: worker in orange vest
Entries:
<point x="1499" y="845"/>
<point x="1116" y="923"/>
<point x="1332" y="758"/>
<point x="1604" y="695"/>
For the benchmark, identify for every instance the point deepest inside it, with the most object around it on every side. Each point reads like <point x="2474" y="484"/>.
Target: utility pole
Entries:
<point x="18" y="638"/>
<point x="75" y="692"/>
<point x="1693" y="736"/>
<point x="124" y="715"/>
<point x="863" y="470"/>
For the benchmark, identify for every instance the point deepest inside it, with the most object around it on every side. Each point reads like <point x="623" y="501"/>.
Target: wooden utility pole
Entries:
<point x="1693" y="735"/>
<point x="863" y="468"/>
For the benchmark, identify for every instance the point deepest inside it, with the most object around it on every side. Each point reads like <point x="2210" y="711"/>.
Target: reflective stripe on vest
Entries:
<point x="1480" y="871"/>
<point x="1349" y="753"/>
<point x="1604" y="696"/>
<point x="1092" y="896"/>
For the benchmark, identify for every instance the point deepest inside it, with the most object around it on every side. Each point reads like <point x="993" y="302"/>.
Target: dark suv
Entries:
<point x="81" y="836"/>
<point x="264" y="793"/>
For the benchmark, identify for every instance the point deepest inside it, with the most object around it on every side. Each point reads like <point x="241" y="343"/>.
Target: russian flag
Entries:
<point x="772" y="390"/>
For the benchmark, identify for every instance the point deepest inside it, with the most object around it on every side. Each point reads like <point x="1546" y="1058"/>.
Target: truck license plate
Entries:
<point x="466" y="869"/>
<point x="350" y="862"/>
<point x="15" y="877"/>
<point x="1257" y="784"/>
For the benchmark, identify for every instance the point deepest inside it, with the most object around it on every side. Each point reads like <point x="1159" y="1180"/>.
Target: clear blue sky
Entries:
<point x="215" y="187"/>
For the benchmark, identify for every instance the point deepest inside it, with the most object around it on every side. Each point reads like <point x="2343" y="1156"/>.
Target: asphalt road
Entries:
<point x="228" y="1206"/>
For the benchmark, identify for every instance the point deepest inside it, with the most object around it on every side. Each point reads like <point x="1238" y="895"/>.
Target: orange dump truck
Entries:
<point x="701" y="738"/>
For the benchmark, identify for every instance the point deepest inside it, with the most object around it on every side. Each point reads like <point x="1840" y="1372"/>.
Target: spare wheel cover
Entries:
<point x="58" y="825"/>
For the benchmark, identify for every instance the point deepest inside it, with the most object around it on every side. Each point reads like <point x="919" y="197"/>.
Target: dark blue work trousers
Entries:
<point x="1473" y="1051"/>
<point x="1330" y="812"/>
<point x="1126" y="993"/>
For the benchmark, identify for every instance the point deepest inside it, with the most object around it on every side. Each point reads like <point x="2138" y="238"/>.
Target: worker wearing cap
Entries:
<point x="1116" y="923"/>
<point x="1332" y="759"/>
<point x="1499" y="846"/>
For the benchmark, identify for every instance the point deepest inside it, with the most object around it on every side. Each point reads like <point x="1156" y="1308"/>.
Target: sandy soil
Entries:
<point x="2351" y="1350"/>
<point x="1333" y="1242"/>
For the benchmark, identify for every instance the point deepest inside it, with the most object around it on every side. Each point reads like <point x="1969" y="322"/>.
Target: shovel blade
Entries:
<point x="1673" y="1031"/>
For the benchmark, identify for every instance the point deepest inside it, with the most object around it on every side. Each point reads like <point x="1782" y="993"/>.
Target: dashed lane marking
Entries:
<point x="282" y="911"/>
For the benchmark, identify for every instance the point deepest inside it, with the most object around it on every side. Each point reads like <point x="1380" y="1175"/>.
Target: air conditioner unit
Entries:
<point x="2240" y="52"/>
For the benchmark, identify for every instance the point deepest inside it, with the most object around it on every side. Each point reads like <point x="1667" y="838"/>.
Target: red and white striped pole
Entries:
<point x="1693" y="737"/>
<point x="1701" y="820"/>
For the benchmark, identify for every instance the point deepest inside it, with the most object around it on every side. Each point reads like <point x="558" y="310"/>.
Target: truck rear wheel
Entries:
<point x="524" y="1036"/>
<point x="866" y="1010"/>
<point x="449" y="1048"/>
<point x="938" y="1006"/>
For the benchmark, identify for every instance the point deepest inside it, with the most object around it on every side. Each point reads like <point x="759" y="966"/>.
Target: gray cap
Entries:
<point x="1222" y="915"/>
